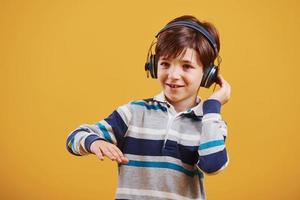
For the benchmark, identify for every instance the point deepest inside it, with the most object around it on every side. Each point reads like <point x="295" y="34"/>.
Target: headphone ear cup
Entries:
<point x="149" y="66"/>
<point x="152" y="66"/>
<point x="209" y="77"/>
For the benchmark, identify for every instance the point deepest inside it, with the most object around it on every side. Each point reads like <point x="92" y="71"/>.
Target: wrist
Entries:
<point x="89" y="141"/>
<point x="211" y="106"/>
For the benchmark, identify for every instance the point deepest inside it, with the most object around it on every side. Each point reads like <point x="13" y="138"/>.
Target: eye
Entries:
<point x="187" y="67"/>
<point x="164" y="64"/>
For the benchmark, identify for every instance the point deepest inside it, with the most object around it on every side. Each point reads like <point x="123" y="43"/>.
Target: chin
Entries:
<point x="173" y="98"/>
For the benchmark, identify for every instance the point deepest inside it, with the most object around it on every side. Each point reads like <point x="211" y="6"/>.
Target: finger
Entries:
<point x="223" y="82"/>
<point x="220" y="77"/>
<point x="114" y="152"/>
<point x="99" y="154"/>
<point x="107" y="153"/>
<point x="125" y="160"/>
<point x="219" y="80"/>
<point x="120" y="153"/>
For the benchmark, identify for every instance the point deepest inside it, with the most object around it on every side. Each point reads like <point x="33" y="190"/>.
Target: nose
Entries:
<point x="174" y="72"/>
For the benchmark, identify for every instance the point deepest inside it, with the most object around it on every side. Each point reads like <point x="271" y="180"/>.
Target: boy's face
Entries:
<point x="180" y="77"/>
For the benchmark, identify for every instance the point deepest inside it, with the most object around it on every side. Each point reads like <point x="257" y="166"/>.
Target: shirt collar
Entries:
<point x="197" y="110"/>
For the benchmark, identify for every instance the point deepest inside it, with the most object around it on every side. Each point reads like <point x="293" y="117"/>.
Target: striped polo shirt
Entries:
<point x="168" y="152"/>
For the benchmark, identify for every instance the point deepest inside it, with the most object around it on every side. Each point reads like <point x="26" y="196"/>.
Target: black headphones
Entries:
<point x="210" y="72"/>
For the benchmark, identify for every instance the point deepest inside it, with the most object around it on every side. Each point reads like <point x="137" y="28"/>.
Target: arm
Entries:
<point x="212" y="150"/>
<point x="112" y="130"/>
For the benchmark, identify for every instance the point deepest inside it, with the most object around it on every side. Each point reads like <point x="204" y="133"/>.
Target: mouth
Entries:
<point x="174" y="85"/>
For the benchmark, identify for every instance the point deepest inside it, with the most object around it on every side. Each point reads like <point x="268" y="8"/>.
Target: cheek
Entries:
<point x="161" y="78"/>
<point x="198" y="76"/>
<point x="194" y="79"/>
<point x="161" y="74"/>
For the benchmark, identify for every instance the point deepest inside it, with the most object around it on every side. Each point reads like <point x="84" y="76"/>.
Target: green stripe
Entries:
<point x="211" y="144"/>
<point x="105" y="132"/>
<point x="166" y="165"/>
<point x="149" y="107"/>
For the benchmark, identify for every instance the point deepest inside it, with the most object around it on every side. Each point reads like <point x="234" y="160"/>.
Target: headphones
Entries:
<point x="210" y="73"/>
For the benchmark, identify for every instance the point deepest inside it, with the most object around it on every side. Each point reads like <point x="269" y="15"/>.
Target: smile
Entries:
<point x="173" y="85"/>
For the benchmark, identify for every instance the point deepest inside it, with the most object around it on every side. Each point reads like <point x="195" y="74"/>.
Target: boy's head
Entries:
<point x="181" y="56"/>
<point x="173" y="41"/>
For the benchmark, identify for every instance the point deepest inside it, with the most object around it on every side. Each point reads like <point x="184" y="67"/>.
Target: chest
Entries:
<point x="160" y="134"/>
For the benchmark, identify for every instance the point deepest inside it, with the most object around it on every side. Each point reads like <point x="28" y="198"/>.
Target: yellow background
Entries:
<point x="65" y="63"/>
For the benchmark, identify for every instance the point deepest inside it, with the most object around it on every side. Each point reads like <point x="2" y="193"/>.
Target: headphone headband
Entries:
<point x="195" y="26"/>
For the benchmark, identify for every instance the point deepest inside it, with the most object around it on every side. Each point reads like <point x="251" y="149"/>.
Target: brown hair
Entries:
<point x="172" y="42"/>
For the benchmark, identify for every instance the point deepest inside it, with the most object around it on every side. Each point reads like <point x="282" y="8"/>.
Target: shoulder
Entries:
<point x="142" y="102"/>
<point x="134" y="104"/>
<point x="148" y="104"/>
<point x="143" y="105"/>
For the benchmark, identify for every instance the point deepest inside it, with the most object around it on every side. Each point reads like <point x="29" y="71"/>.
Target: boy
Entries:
<point x="164" y="144"/>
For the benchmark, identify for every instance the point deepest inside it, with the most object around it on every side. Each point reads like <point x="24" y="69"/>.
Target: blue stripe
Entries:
<point x="145" y="147"/>
<point x="118" y="126"/>
<point x="149" y="107"/>
<point x="105" y="132"/>
<point x="71" y="138"/>
<point x="165" y="165"/>
<point x="211" y="144"/>
<point x="211" y="106"/>
<point x="213" y="162"/>
<point x="75" y="132"/>
<point x="72" y="144"/>
<point x="89" y="140"/>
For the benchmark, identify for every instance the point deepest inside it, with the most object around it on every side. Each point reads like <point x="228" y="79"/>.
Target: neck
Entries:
<point x="184" y="104"/>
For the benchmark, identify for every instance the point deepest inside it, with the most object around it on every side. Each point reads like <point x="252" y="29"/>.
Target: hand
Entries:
<point x="223" y="94"/>
<point x="102" y="148"/>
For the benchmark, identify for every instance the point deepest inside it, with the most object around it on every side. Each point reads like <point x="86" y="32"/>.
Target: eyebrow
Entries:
<point x="184" y="61"/>
<point x="187" y="61"/>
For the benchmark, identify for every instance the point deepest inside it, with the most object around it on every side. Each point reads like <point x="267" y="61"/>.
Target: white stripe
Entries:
<point x="147" y="131"/>
<point x="127" y="112"/>
<point x="162" y="132"/>
<point x="161" y="137"/>
<point x="109" y="130"/>
<point x="211" y="150"/>
<point x="210" y="119"/>
<point x="185" y="136"/>
<point x="151" y="193"/>
<point x="144" y="136"/>
<point x="211" y="116"/>
<point x="78" y="140"/>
